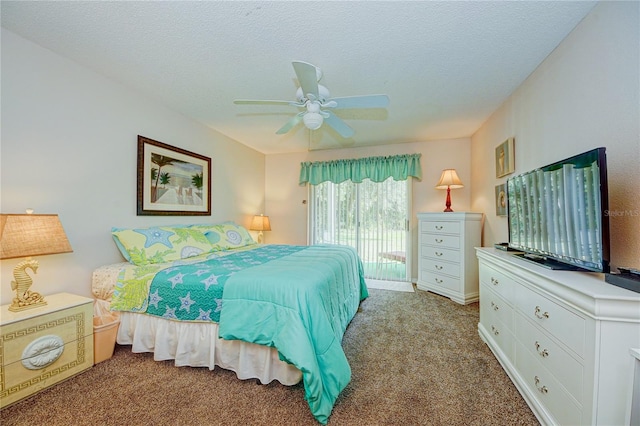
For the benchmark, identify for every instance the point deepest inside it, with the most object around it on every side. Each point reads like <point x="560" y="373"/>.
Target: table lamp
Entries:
<point x="260" y="223"/>
<point x="449" y="180"/>
<point x="26" y="235"/>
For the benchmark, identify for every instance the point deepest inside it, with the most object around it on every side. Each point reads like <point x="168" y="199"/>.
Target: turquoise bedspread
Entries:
<point x="298" y="299"/>
<point x="301" y="304"/>
<point x="194" y="292"/>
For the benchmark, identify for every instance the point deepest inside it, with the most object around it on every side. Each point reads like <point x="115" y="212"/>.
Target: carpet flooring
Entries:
<point x="416" y="359"/>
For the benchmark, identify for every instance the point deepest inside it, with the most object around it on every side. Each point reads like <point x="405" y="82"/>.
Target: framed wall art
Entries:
<point x="172" y="181"/>
<point x="505" y="160"/>
<point x="501" y="200"/>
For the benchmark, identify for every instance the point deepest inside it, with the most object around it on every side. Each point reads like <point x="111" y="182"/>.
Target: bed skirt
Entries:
<point x="198" y="345"/>
<point x="191" y="343"/>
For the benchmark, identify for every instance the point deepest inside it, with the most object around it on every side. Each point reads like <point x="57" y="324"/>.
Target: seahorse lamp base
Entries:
<point x="17" y="305"/>
<point x="25" y="298"/>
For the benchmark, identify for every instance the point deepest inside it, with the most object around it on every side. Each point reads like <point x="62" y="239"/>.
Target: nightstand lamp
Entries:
<point x="449" y="180"/>
<point x="260" y="223"/>
<point x="25" y="235"/>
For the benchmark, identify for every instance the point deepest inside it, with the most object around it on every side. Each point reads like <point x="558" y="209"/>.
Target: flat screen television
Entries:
<point x="558" y="213"/>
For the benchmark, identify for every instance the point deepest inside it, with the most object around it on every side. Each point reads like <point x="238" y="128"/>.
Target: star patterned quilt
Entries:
<point x="298" y="299"/>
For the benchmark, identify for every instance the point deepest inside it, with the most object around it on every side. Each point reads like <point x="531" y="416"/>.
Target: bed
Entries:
<point x="207" y="296"/>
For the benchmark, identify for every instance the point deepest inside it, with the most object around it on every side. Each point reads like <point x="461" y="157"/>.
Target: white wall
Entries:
<point x="69" y="146"/>
<point x="584" y="95"/>
<point x="284" y="197"/>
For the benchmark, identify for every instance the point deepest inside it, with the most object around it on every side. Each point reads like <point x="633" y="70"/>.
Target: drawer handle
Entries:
<point x="494" y="281"/>
<point x="494" y="306"/>
<point x="438" y="240"/>
<point x="438" y="280"/>
<point x="42" y="352"/>
<point x="438" y="253"/>
<point x="542" y="389"/>
<point x="544" y="315"/>
<point x="495" y="331"/>
<point x="438" y="267"/>
<point x="439" y="227"/>
<point x="544" y="353"/>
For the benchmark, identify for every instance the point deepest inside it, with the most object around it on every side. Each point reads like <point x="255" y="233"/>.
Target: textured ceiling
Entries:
<point x="446" y="66"/>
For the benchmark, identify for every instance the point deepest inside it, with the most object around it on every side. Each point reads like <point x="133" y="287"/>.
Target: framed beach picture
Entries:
<point x="501" y="200"/>
<point x="172" y="181"/>
<point x="505" y="160"/>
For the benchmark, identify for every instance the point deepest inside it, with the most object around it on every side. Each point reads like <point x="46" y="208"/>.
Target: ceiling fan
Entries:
<point x="316" y="102"/>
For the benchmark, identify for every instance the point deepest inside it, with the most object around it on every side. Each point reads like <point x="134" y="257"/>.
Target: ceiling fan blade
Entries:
<point x="307" y="77"/>
<point x="264" y="102"/>
<point x="291" y="123"/>
<point x="338" y="125"/>
<point x="367" y="101"/>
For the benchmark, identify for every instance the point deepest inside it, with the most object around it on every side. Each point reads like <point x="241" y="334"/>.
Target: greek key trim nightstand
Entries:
<point x="42" y="346"/>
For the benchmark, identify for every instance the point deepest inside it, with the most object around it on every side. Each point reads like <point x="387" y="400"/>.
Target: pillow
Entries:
<point x="225" y="236"/>
<point x="160" y="244"/>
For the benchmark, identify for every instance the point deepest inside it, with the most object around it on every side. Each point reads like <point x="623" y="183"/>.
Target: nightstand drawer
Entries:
<point x="42" y="346"/>
<point x="19" y="381"/>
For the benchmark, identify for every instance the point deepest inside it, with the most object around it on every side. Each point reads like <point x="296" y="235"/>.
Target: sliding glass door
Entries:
<point x="372" y="217"/>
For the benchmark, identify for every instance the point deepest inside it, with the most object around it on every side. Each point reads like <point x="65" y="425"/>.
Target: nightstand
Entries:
<point x="42" y="346"/>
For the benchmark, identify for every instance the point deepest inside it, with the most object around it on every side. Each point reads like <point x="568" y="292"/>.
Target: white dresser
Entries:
<point x="562" y="337"/>
<point x="447" y="263"/>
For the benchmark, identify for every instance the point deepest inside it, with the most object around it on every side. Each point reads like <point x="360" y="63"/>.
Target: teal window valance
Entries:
<point x="378" y="169"/>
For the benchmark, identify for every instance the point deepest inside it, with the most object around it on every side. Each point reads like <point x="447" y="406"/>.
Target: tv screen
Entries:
<point x="557" y="213"/>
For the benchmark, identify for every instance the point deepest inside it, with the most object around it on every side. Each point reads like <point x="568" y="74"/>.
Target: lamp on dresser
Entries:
<point x="26" y="235"/>
<point x="260" y="223"/>
<point x="449" y="180"/>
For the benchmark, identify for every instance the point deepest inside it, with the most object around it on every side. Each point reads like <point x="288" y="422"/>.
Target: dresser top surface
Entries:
<point x="450" y="215"/>
<point x="55" y="302"/>
<point x="592" y="284"/>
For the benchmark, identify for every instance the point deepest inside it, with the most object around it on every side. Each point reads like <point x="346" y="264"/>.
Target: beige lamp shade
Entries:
<point x="449" y="179"/>
<point x="260" y="223"/>
<point x="24" y="235"/>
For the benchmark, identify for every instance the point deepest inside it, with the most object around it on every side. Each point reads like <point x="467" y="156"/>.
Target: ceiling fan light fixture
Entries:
<point x="312" y="120"/>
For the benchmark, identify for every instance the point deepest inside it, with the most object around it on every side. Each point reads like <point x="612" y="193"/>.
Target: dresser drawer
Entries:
<point x="440" y="267"/>
<point x="564" y="325"/>
<point x="554" y="358"/>
<point x="496" y="306"/>
<point x="497" y="281"/>
<point x="439" y="253"/>
<point x="441" y="227"/>
<point x="440" y="241"/>
<point x="432" y="279"/>
<point x="542" y="383"/>
<point x="498" y="332"/>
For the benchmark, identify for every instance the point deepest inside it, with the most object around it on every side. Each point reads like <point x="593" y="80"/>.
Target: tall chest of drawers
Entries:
<point x="42" y="346"/>
<point x="562" y="337"/>
<point x="447" y="263"/>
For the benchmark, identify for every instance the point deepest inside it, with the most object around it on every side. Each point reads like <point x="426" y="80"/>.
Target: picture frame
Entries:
<point x="172" y="181"/>
<point x="501" y="199"/>
<point x="505" y="159"/>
